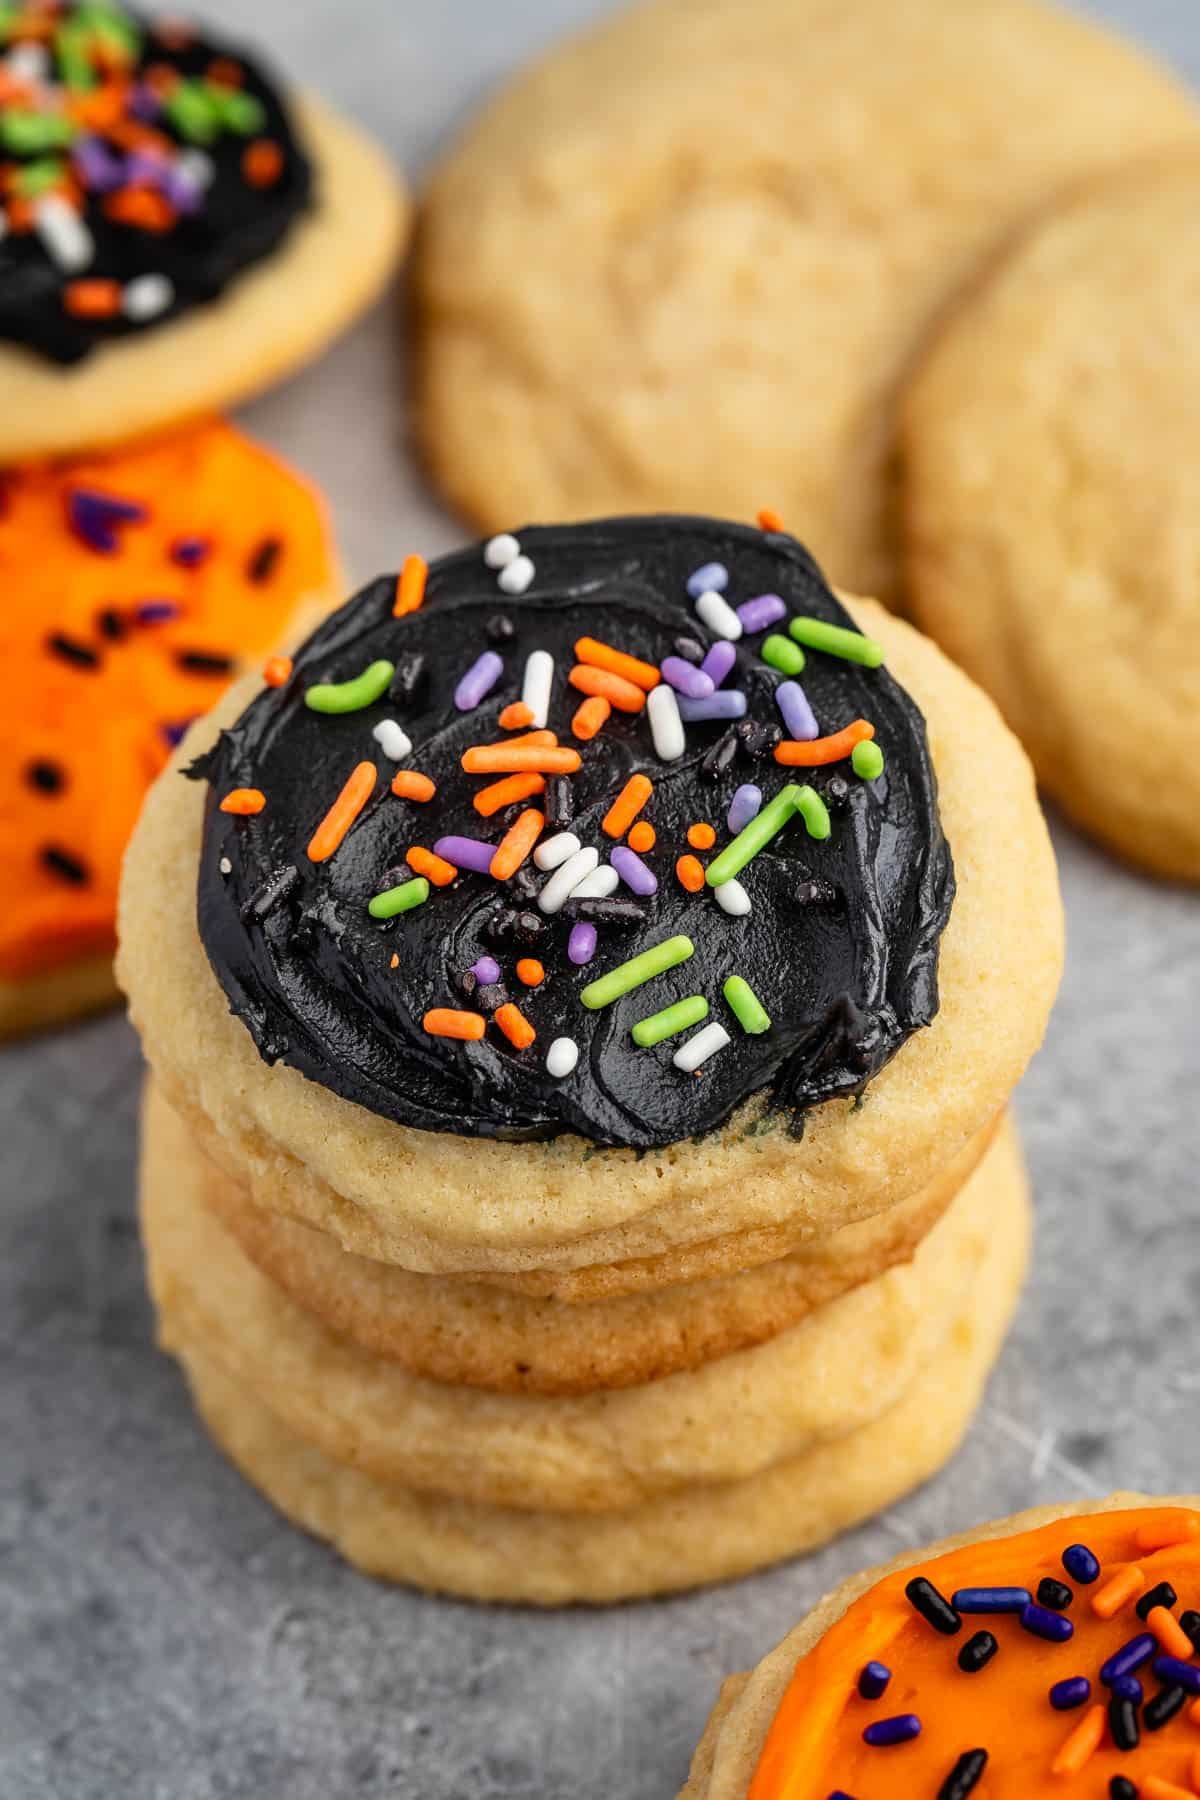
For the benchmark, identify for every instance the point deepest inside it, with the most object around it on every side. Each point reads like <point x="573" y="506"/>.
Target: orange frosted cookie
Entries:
<point x="134" y="587"/>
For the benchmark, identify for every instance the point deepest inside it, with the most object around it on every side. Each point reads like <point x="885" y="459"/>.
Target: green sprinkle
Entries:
<point x="639" y="969"/>
<point x="835" y="640"/>
<point x="866" y="759"/>
<point x="814" y="812"/>
<point x="38" y="177"/>
<point x="671" y="1019"/>
<point x="746" y="1006"/>
<point x="400" y="899"/>
<point x="352" y="696"/>
<point x="28" y="133"/>
<point x="755" y="836"/>
<point x="782" y="654"/>
<point x="190" y="108"/>
<point x="237" y="111"/>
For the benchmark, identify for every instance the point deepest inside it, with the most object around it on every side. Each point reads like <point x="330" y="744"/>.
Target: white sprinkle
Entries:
<point x="555" y="850"/>
<point x="196" y="166"/>
<point x="566" y="879"/>
<point x="561" y="1057"/>
<point x="27" y="62"/>
<point x="732" y="898"/>
<point x="698" y="1049"/>
<point x="515" y="576"/>
<point x="499" y="551"/>
<point x="715" y="612"/>
<point x="598" y="885"/>
<point x="225" y="866"/>
<point x="666" y="726"/>
<point x="146" y="296"/>
<point x="535" y="690"/>
<point x="64" y="234"/>
<point x="392" y="739"/>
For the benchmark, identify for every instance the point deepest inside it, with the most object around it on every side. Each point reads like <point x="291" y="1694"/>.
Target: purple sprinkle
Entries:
<point x="719" y="661"/>
<point x="581" y="945"/>
<point x="1127" y="1687"/>
<point x="714" y="576"/>
<point x="1129" y="1657"/>
<point x="144" y="103"/>
<point x="745" y="805"/>
<point x="184" y="194"/>
<point x="99" y="171"/>
<point x="190" y="552"/>
<point x="1081" y="1564"/>
<point x="478" y="681"/>
<point x="686" y="678"/>
<point x="145" y="169"/>
<point x="1066" y="1695"/>
<point x="1175" y="1673"/>
<point x="728" y="703"/>
<point x="873" y="1678"/>
<point x="798" y="716"/>
<point x="176" y="732"/>
<point x="1046" y="1624"/>
<point x="94" y="517"/>
<point x="885" y="1732"/>
<point x="466" y="853"/>
<point x="633" y="871"/>
<point x="156" y="612"/>
<point x="757" y="614"/>
<point x="487" y="969"/>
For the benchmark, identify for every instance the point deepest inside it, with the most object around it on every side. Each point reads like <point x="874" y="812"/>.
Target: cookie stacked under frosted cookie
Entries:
<point x="576" y="1163"/>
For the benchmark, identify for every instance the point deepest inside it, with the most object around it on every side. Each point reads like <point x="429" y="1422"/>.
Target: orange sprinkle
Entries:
<point x="798" y="754"/>
<point x="92" y="299"/>
<point x="530" y="971"/>
<point x="1196" y="1770"/>
<point x="626" y="696"/>
<point x="443" y="1021"/>
<point x="1194" y="1712"/>
<point x="690" y="874"/>
<point x="434" y="868"/>
<point x="342" y="814"/>
<point x="489" y="800"/>
<point x="516" y="843"/>
<point x="590" y="716"/>
<point x="277" y="670"/>
<point x="701" y="836"/>
<point x="142" y="207"/>
<point x="162" y="79"/>
<point x="394" y="962"/>
<point x="1078" y="1749"/>
<point x="627" y="805"/>
<point x="769" y="519"/>
<point x="642" y="837"/>
<point x="519" y="759"/>
<point x="1117" y="1592"/>
<point x="224" y="72"/>
<point x="410" y="586"/>
<point x="528" y="738"/>
<point x="1164" y="1533"/>
<point x="244" y="802"/>
<point x="1170" y="1633"/>
<point x="262" y="162"/>
<point x="1157" y="1787"/>
<point x="515" y="1026"/>
<point x="515" y="716"/>
<point x="629" y="668"/>
<point x="407" y="784"/>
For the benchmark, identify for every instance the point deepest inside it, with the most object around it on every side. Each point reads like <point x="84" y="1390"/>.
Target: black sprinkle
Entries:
<point x="933" y="1607"/>
<point x="1161" y="1709"/>
<point x="46" y="776"/>
<point x="1190" y="1621"/>
<point x="508" y="926"/>
<point x="689" y="649"/>
<point x="836" y="790"/>
<point x="409" y="679"/>
<point x="62" y="863"/>
<point x="608" y="911"/>
<point x="814" y="893"/>
<point x="526" y="881"/>
<point x="490" y="995"/>
<point x="1162" y="1595"/>
<point x="758" y="737"/>
<point x="977" y="1652"/>
<point x="112" y="625"/>
<point x="204" y="662"/>
<point x="263" y="559"/>
<point x="1054" y="1594"/>
<point x="500" y="629"/>
<point x="965" y="1776"/>
<point x="1121" y="1788"/>
<point x="558" y="802"/>
<point x="72" y="651"/>
<point x="1123" y="1723"/>
<point x="718" y="759"/>
<point x="275" y="888"/>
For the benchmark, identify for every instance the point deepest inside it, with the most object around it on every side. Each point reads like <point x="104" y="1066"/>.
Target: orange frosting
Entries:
<point x="815" y="1745"/>
<point x="86" y="726"/>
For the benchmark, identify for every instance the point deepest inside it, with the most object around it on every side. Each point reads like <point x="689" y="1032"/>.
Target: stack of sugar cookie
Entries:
<point x="174" y="235"/>
<point x="582" y="997"/>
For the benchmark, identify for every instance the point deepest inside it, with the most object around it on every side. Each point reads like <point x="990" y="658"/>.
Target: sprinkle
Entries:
<point x="626" y="696"/>
<point x="933" y="1607"/>
<point x="965" y="1776"/>
<point x="443" y="1021"/>
<point x="262" y="163"/>
<point x="517" y="843"/>
<point x="502" y="759"/>
<point x="818" y="751"/>
<point x="500" y="550"/>
<point x="478" y="681"/>
<point x="726" y="703"/>
<point x="873" y="1678"/>
<point x="555" y="850"/>
<point x="566" y="879"/>
<point x="718" y="616"/>
<point x="561" y="1058"/>
<point x="1066" y="1695"/>
<point x="515" y="716"/>
<point x="359" y="787"/>
<point x="94" y="517"/>
<point x="190" y="552"/>
<point x="400" y="899"/>
<point x="1129" y="1657"/>
<point x="392" y="739"/>
<point x="1077" y="1750"/>
<point x="836" y="640"/>
<point x="1174" y="1672"/>
<point x="764" y="610"/>
<point x="410" y="586"/>
<point x="1054" y="1594"/>
<point x="621" y="913"/>
<point x="1190" y="1621"/>
<point x="991" y="1600"/>
<point x="899" y="1730"/>
<point x="1118" y="1591"/>
<point x="671" y="1020"/>
<point x="633" y="871"/>
<point x="410" y="678"/>
<point x="710" y="577"/>
<point x="516" y="575"/>
<point x="1156" y="1787"/>
<point x="1081" y="1564"/>
<point x="686" y="678"/>
<point x="1043" y="1623"/>
<point x="782" y="654"/>
<point x="1123" y="1723"/>
<point x="538" y="682"/>
<point x="798" y="716"/>
<point x="244" y="803"/>
<point x="637" y="971"/>
<point x="45" y="776"/>
<point x="351" y="696"/>
<point x="746" y="1006"/>
<point x="602" y="882"/>
<point x="690" y="1056"/>
<point x="691" y="649"/>
<point x="690" y="874"/>
<point x="273" y="890"/>
<point x="1163" y="1707"/>
<point x="666" y="727"/>
<point x="72" y="651"/>
<point x="407" y="784"/>
<point x="1169" y="1633"/>
<point x="491" y="799"/>
<point x="1128" y="1687"/>
<point x="1164" y="1533"/>
<point x="866" y="759"/>
<point x="62" y="863"/>
<point x="225" y="866"/>
<point x="435" y="868"/>
<point x="92" y="297"/>
<point x="581" y="945"/>
<point x="732" y="898"/>
<point x="591" y="715"/>
<point x="718" y="662"/>
<point x="1121" y="1788"/>
<point x="745" y="805"/>
<point x="530" y="971"/>
<point x="814" y="812"/>
<point x="642" y="836"/>
<point x="754" y="837"/>
<point x="204" y="662"/>
<point x="1162" y="1594"/>
<point x="617" y="662"/>
<point x="486" y="970"/>
<point x="515" y="1026"/>
<point x="466" y="853"/>
<point x="64" y="233"/>
<point x="769" y="519"/>
<point x="627" y="805"/>
<point x="277" y="671"/>
<point x="977" y="1652"/>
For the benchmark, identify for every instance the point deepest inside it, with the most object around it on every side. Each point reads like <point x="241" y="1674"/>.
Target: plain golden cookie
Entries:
<point x="1051" y="504"/>
<point x="683" y="262"/>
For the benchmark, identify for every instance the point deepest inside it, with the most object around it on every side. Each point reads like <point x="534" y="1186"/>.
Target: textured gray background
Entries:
<point x="161" y="1632"/>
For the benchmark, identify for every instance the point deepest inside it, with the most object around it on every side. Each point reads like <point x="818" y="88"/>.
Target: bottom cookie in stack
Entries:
<point x="694" y="1477"/>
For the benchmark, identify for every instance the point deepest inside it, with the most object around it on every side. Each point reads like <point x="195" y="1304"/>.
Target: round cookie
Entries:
<point x="174" y="235"/>
<point x="1051" y="502"/>
<point x="692" y="1537"/>
<point x="685" y="259"/>
<point x="135" y="586"/>
<point x="840" y="1368"/>
<point x="794" y="1727"/>
<point x="446" y="1202"/>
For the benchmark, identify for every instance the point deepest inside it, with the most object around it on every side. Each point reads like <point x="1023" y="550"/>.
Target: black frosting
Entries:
<point x="235" y="225"/>
<point x="841" y="945"/>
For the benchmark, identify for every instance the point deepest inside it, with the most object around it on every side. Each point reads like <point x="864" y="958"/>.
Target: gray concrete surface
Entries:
<point x="162" y="1634"/>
